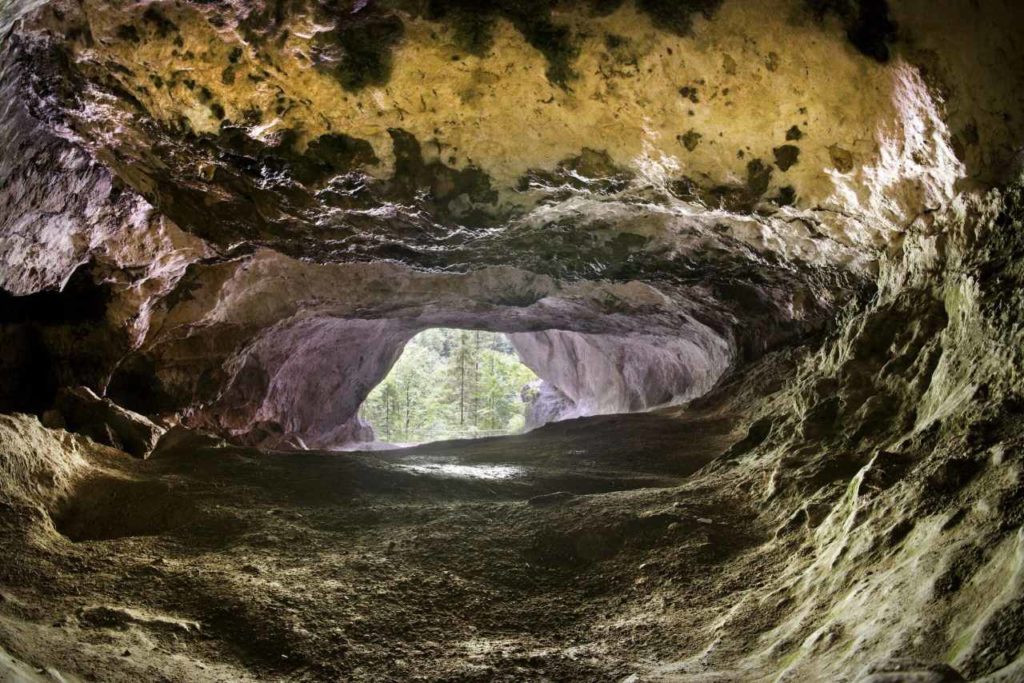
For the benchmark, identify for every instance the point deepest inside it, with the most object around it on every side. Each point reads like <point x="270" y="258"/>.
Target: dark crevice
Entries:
<point x="868" y="25"/>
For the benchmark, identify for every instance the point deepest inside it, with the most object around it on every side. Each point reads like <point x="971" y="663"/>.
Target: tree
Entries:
<point x="450" y="384"/>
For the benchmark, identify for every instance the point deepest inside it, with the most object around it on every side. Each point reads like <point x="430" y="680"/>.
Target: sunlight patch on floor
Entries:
<point x="452" y="470"/>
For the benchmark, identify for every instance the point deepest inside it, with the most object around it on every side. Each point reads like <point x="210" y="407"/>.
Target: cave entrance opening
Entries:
<point x="451" y="384"/>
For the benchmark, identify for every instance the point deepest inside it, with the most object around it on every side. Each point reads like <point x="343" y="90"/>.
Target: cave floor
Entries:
<point x="596" y="559"/>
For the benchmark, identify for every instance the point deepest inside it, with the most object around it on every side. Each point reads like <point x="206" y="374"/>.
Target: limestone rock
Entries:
<point x="179" y="440"/>
<point x="106" y="422"/>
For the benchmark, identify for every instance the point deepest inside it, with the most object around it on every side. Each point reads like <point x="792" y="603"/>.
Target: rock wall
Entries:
<point x="747" y="161"/>
<point x="218" y="166"/>
<point x="890" y="468"/>
<point x="287" y="349"/>
<point x="604" y="374"/>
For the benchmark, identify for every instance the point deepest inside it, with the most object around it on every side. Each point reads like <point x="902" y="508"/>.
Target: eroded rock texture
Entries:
<point x="792" y="227"/>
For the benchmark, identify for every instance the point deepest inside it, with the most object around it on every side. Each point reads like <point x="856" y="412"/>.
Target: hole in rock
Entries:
<point x="452" y="384"/>
<point x="360" y="384"/>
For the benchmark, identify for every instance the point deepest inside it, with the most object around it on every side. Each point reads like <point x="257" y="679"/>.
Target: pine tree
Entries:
<point x="449" y="384"/>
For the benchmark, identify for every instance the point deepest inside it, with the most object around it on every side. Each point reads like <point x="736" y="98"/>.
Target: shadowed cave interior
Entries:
<point x="712" y="309"/>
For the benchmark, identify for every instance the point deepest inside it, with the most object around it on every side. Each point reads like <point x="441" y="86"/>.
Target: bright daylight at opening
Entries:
<point x="452" y="384"/>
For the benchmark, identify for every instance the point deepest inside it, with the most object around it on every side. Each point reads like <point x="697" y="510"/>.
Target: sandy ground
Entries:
<point x="575" y="553"/>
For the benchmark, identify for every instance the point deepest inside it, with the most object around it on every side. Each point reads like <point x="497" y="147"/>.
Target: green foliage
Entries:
<point x="450" y="384"/>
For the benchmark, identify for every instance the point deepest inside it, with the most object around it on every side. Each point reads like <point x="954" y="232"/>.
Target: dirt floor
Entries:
<point x="575" y="553"/>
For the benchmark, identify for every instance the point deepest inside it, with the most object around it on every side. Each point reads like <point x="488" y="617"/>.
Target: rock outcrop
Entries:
<point x="39" y="469"/>
<point x="79" y="410"/>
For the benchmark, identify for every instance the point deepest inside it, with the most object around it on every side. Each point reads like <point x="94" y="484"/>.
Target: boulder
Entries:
<point x="179" y="440"/>
<point x="105" y="422"/>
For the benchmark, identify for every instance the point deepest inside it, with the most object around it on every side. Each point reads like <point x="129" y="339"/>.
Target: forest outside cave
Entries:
<point x="452" y="384"/>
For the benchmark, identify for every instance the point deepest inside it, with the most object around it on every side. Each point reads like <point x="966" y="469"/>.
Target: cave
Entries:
<point x="562" y="375"/>
<point x="717" y="310"/>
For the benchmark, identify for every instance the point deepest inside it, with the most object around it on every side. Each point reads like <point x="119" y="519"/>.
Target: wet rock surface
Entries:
<point x="766" y="259"/>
